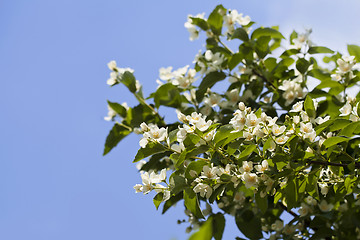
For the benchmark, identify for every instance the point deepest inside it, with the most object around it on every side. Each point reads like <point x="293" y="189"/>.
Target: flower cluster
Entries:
<point x="182" y="77"/>
<point x="292" y="89"/>
<point x="194" y="32"/>
<point x="152" y="132"/>
<point x="116" y="73"/>
<point x="350" y="109"/>
<point x="233" y="17"/>
<point x="255" y="127"/>
<point x="345" y="66"/>
<point x="151" y="181"/>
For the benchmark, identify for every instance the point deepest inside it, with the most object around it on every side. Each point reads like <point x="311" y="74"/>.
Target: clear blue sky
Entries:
<point x="54" y="182"/>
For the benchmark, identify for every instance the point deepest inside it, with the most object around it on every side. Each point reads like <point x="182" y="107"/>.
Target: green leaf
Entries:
<point x="215" y="19"/>
<point x="177" y="183"/>
<point x="150" y="149"/>
<point x="208" y="81"/>
<point x="167" y="95"/>
<point x="334" y="140"/>
<point x="192" y="202"/>
<point x="302" y="65"/>
<point x="289" y="52"/>
<point x="158" y="199"/>
<point x="172" y="201"/>
<point x="234" y="60"/>
<point x="247" y="151"/>
<point x="118" y="108"/>
<point x="196" y="166"/>
<point x="291" y="192"/>
<point x="116" y="134"/>
<point x="317" y="49"/>
<point x="354" y="50"/>
<point x="218" y="225"/>
<point x="201" y="23"/>
<point x="223" y="132"/>
<point x="248" y="224"/>
<point x="262" y="203"/>
<point x="309" y="107"/>
<point x="262" y="46"/>
<point x="241" y="34"/>
<point x="128" y="79"/>
<point x="205" y="231"/>
<point x="266" y="32"/>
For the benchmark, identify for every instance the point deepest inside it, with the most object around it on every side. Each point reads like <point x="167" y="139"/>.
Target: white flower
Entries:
<point x="138" y="188"/>
<point x="194" y="118"/>
<point x="278" y="225"/>
<point x="345" y="64"/>
<point x="111" y="114"/>
<point x="306" y="128"/>
<point x="210" y="135"/>
<point x="297" y="107"/>
<point x="209" y="172"/>
<point x="194" y="33"/>
<point x="336" y="77"/>
<point x="252" y="120"/>
<point x="165" y="73"/>
<point x="281" y="140"/>
<point x="140" y="164"/>
<point x="302" y="39"/>
<point x="234" y="17"/>
<point x="112" y="65"/>
<point x="262" y="167"/>
<point x="178" y="147"/>
<point x="304" y="210"/>
<point x="204" y="190"/>
<point x="239" y="197"/>
<point x="247" y="166"/>
<point x="250" y="179"/>
<point x="213" y="100"/>
<point x="320" y="120"/>
<point x="324" y="188"/>
<point x="233" y="96"/>
<point x="152" y="133"/>
<point x="310" y="200"/>
<point x="325" y="207"/>
<point x="346" y="109"/>
<point x="202" y="125"/>
<point x="276" y="130"/>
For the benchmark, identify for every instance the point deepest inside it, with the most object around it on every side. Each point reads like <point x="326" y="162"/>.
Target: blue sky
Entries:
<point x="54" y="182"/>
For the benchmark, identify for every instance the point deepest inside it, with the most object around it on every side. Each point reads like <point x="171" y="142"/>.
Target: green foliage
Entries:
<point x="264" y="145"/>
